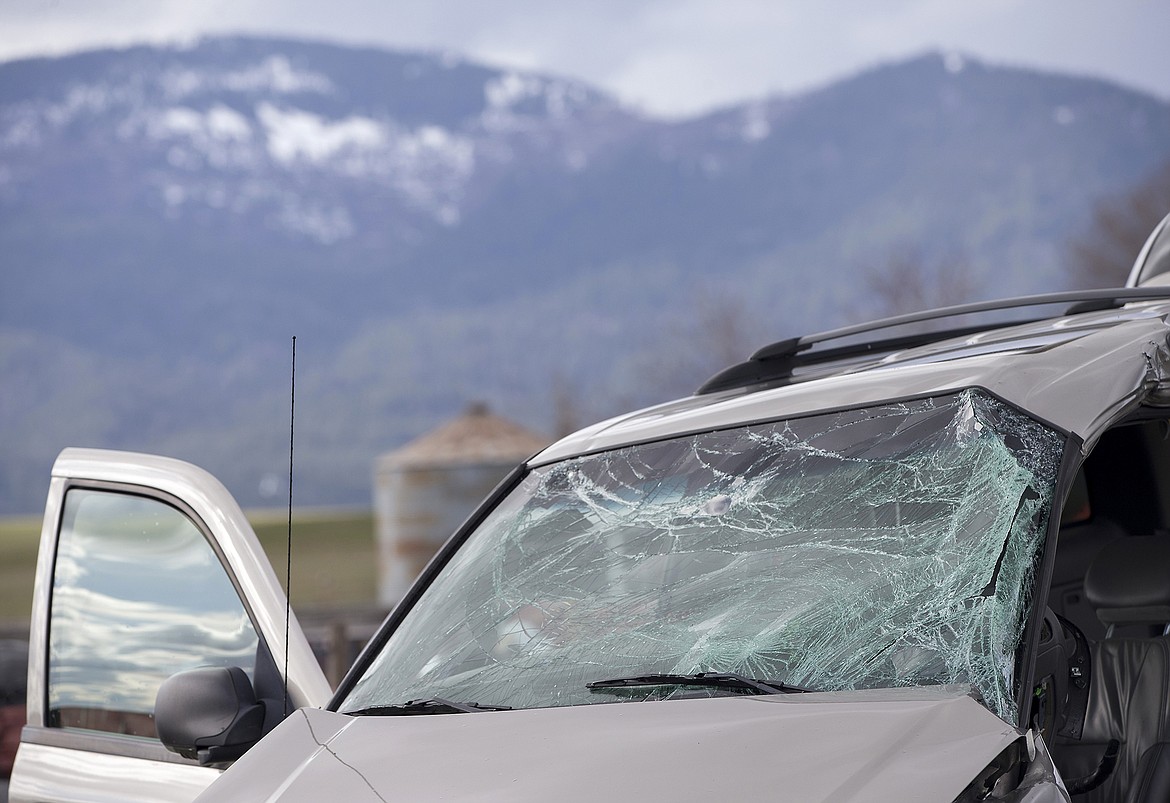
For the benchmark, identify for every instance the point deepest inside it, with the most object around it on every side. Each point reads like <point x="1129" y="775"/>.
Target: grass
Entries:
<point x="19" y="540"/>
<point x="334" y="559"/>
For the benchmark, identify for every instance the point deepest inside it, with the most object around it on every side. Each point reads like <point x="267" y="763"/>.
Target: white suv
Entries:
<point x="880" y="563"/>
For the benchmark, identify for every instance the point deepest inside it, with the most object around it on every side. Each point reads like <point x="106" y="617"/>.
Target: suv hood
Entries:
<point x="904" y="744"/>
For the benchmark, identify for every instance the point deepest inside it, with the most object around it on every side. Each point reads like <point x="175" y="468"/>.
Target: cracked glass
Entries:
<point x="883" y="547"/>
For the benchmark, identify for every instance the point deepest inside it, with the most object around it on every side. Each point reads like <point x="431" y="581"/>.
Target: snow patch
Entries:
<point x="954" y="63"/>
<point x="229" y="196"/>
<point x="179" y="121"/>
<point x="510" y="89"/>
<point x="427" y="167"/>
<point x="505" y="93"/>
<point x="562" y="98"/>
<point x="221" y="136"/>
<point x="439" y="146"/>
<point x="227" y="124"/>
<point x="219" y="124"/>
<point x="324" y="224"/>
<point x="174" y="194"/>
<point x="24" y="132"/>
<point x="434" y="137"/>
<point x="430" y="167"/>
<point x="86" y="99"/>
<point x="24" y="123"/>
<point x="296" y="135"/>
<point x="275" y="74"/>
<point x="756" y="125"/>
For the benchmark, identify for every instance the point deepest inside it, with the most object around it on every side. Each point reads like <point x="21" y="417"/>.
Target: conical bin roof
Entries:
<point x="476" y="437"/>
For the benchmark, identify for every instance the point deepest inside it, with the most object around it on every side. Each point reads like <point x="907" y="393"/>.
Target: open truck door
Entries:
<point x="150" y="576"/>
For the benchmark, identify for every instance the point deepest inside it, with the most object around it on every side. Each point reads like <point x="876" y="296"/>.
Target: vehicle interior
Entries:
<point x="1105" y="655"/>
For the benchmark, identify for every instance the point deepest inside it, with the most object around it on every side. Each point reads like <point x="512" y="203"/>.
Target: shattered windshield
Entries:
<point x="881" y="547"/>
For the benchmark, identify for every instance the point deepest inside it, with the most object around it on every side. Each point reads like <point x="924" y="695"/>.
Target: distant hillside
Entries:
<point x="435" y="231"/>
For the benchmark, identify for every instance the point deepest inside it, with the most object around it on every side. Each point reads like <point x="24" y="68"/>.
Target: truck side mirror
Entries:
<point x="210" y="713"/>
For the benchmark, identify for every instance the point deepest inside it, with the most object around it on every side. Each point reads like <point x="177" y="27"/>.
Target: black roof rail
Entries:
<point x="779" y="360"/>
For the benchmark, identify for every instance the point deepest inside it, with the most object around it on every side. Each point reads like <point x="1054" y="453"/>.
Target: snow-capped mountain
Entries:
<point x="435" y="230"/>
<point x="254" y="129"/>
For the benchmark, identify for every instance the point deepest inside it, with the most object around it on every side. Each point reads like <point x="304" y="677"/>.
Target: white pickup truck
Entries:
<point x="859" y="566"/>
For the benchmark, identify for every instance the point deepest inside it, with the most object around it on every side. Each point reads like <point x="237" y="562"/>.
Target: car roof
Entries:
<point x="1078" y="370"/>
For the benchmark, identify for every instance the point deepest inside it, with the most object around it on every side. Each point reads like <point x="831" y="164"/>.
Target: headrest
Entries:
<point x="1129" y="581"/>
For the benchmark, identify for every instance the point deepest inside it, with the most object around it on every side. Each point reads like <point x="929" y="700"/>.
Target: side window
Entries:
<point x="138" y="595"/>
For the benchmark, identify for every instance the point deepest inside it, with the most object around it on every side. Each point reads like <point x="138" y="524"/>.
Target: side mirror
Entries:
<point x="210" y="713"/>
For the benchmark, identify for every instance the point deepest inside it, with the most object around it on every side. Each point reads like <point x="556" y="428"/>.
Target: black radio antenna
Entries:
<point x="292" y="418"/>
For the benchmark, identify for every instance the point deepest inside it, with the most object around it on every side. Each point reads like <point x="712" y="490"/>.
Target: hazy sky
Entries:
<point x="672" y="57"/>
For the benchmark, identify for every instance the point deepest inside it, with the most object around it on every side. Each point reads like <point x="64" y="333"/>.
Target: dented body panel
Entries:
<point x="906" y="745"/>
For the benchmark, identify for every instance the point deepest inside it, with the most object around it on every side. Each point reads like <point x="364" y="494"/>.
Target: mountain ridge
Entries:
<point x="434" y="231"/>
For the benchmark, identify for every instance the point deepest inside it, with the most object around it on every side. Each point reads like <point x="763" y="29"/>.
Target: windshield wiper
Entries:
<point x="432" y="705"/>
<point x="721" y="680"/>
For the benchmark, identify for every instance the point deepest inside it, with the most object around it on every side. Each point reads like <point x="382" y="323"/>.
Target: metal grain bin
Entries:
<point x="424" y="490"/>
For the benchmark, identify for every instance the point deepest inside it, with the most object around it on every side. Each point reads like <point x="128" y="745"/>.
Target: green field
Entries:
<point x="334" y="560"/>
<point x="19" y="538"/>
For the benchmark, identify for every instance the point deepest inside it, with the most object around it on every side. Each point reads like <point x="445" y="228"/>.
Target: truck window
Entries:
<point x="138" y="595"/>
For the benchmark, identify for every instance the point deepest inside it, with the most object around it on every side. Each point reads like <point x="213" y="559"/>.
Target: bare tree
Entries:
<point x="1103" y="254"/>
<point x="567" y="402"/>
<point x="720" y="328"/>
<point x="907" y="282"/>
<point x="725" y="330"/>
